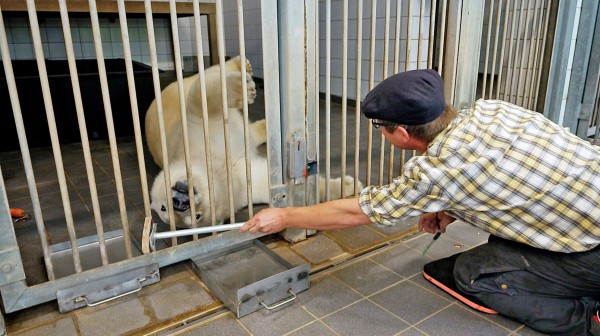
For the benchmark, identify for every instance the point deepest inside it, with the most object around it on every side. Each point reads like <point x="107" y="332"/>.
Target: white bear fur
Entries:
<point x="177" y="169"/>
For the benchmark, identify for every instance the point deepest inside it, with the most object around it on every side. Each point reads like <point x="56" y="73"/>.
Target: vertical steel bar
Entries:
<point x="432" y="15"/>
<point x="89" y="165"/>
<point x="547" y="19"/>
<point x="242" y="45"/>
<point x="159" y="109"/>
<point x="271" y="73"/>
<point x="516" y="66"/>
<point x="495" y="54"/>
<point x="204" y="104"/>
<point x="396" y="64"/>
<point x="317" y="98"/>
<point x="420" y="39"/>
<point x="522" y="60"/>
<point x="487" y="47"/>
<point x="184" y="114"/>
<point x="502" y="48"/>
<point x="407" y="64"/>
<point x="530" y="52"/>
<point x="408" y="36"/>
<point x="20" y="125"/>
<point x="359" y="6"/>
<point x="327" y="99"/>
<point x="442" y="36"/>
<point x="139" y="145"/>
<point x="110" y="126"/>
<point x="221" y="47"/>
<point x="536" y="56"/>
<point x="371" y="84"/>
<point x="386" y="44"/>
<point x="511" y="49"/>
<point x="60" y="171"/>
<point x="344" y="89"/>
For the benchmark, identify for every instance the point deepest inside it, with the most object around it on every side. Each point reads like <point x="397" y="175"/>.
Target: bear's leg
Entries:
<point x="258" y="131"/>
<point x="336" y="185"/>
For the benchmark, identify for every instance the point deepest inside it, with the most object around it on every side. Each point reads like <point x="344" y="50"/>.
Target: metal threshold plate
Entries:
<point x="249" y="276"/>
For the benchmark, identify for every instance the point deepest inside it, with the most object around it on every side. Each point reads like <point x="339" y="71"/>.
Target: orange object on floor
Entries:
<point x="17" y="212"/>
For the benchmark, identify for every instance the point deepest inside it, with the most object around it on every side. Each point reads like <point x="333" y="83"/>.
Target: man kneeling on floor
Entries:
<point x="531" y="184"/>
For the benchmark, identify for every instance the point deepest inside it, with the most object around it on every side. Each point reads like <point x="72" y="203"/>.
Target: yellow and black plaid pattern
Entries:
<point x="507" y="170"/>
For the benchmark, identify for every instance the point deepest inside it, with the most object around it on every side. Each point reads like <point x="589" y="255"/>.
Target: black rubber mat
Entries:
<point x="440" y="273"/>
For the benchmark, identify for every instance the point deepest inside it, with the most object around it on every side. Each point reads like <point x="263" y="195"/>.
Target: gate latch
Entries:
<point x="297" y="158"/>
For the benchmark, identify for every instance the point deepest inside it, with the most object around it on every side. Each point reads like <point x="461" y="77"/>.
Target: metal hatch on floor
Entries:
<point x="248" y="277"/>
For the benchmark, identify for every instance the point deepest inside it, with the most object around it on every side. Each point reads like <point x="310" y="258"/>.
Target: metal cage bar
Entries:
<point x="16" y="108"/>
<point x="204" y="104"/>
<point x="371" y="85"/>
<point x="522" y="60"/>
<point x="511" y="51"/>
<point x="134" y="107"/>
<point x="359" y="32"/>
<point x="184" y="116"/>
<point x="487" y="46"/>
<point x="83" y="130"/>
<point x="229" y="164"/>
<point x="502" y="49"/>
<point x="327" y="99"/>
<point x="110" y="126"/>
<point x="39" y="55"/>
<point x="386" y="44"/>
<point x="159" y="105"/>
<point x="242" y="45"/>
<point x="344" y="90"/>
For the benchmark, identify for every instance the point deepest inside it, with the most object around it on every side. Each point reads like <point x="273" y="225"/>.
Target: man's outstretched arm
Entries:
<point x="333" y="215"/>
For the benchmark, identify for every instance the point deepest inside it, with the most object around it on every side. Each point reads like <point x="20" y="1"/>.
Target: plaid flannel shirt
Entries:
<point x="507" y="170"/>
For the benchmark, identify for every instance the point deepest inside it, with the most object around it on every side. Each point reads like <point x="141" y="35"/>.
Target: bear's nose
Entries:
<point x="181" y="203"/>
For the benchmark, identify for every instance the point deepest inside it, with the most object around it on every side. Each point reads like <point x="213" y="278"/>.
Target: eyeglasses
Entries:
<point x="378" y="123"/>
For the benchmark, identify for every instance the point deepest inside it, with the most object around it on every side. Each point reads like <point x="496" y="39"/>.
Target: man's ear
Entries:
<point x="401" y="134"/>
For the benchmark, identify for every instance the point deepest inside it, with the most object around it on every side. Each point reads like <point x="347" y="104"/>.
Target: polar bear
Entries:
<point x="177" y="168"/>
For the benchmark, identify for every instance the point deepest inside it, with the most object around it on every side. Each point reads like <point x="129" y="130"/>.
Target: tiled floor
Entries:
<point x="380" y="293"/>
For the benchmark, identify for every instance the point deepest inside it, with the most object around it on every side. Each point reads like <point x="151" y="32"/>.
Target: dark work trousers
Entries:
<point x="552" y="292"/>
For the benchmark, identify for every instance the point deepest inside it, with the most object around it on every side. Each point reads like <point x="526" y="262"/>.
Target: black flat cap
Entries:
<point x="409" y="98"/>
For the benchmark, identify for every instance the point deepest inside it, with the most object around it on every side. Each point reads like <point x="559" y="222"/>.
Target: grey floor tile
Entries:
<point x="117" y="318"/>
<point x="526" y="331"/>
<point x="442" y="247"/>
<point x="63" y="327"/>
<point x="327" y="295"/>
<point x="355" y="237"/>
<point x="187" y="293"/>
<point x="506" y="322"/>
<point x="364" y="318"/>
<point x="411" y="332"/>
<point x="316" y="328"/>
<point x="33" y="316"/>
<point x="456" y="320"/>
<point x="366" y="276"/>
<point x="410" y="302"/>
<point x="402" y="260"/>
<point x="277" y="322"/>
<point x="289" y="255"/>
<point x="223" y="325"/>
<point x="419" y="280"/>
<point x="318" y="248"/>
